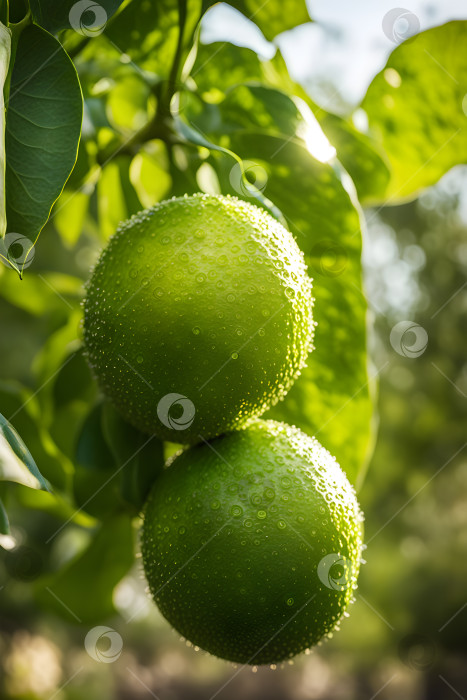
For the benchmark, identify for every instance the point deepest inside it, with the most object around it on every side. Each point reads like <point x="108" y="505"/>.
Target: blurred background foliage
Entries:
<point x="406" y="632"/>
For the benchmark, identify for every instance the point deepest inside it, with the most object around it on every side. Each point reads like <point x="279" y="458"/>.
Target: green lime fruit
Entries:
<point x="252" y="543"/>
<point x="198" y="316"/>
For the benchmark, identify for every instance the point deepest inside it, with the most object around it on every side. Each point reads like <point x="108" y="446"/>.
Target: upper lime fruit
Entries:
<point x="252" y="543"/>
<point x="198" y="316"/>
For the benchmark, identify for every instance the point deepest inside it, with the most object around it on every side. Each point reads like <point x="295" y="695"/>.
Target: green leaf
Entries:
<point x="359" y="155"/>
<point x="331" y="399"/>
<point x="139" y="457"/>
<point x="4" y="522"/>
<point x="148" y="32"/>
<point x="274" y="16"/>
<point x="117" y="199"/>
<point x="4" y="11"/>
<point x="42" y="130"/>
<point x="222" y="67"/>
<point x="70" y="215"/>
<point x="417" y="109"/>
<point x="96" y="481"/>
<point x="82" y="591"/>
<point x="149" y="173"/>
<point x="22" y="407"/>
<point x="47" y="293"/>
<point x="116" y="464"/>
<point x="16" y="462"/>
<point x="5" y="53"/>
<point x="85" y="17"/>
<point x="258" y="106"/>
<point x="53" y="504"/>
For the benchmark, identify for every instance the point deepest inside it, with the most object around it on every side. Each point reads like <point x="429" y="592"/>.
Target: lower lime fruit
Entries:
<point x="198" y="316"/>
<point x="252" y="543"/>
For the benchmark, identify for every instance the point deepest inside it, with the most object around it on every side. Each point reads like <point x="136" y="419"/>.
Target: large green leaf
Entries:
<point x="274" y="16"/>
<point x="331" y="399"/>
<point x="417" y="108"/>
<point x="42" y="130"/>
<point x="16" y="462"/>
<point x="221" y="67"/>
<point x="84" y="16"/>
<point x="82" y="591"/>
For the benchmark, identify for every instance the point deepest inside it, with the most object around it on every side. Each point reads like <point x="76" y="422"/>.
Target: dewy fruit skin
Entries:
<point x="198" y="316"/>
<point x="252" y="544"/>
